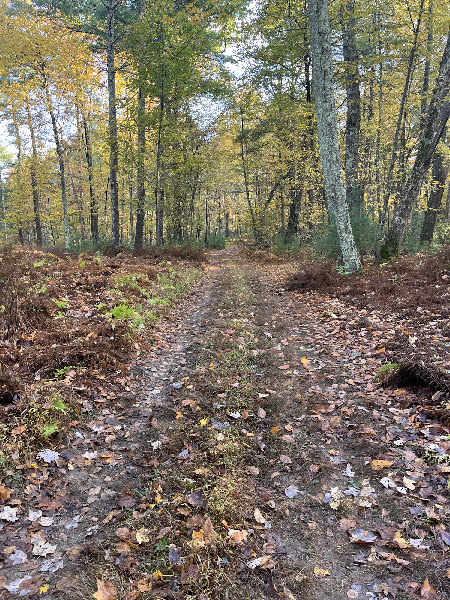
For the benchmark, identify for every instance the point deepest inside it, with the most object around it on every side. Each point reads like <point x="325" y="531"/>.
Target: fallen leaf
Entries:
<point x="132" y="595"/>
<point x="285" y="459"/>
<point x="377" y="465"/>
<point x="196" y="498"/>
<point x="320" y="572"/>
<point x="304" y="360"/>
<point x="426" y="591"/>
<point x="48" y="456"/>
<point x="143" y="535"/>
<point x="253" y="470"/>
<point x="258" y="562"/>
<point x="144" y="585"/>
<point x="360" y="536"/>
<point x="283" y="367"/>
<point x="348" y="471"/>
<point x="5" y="493"/>
<point x="162" y="532"/>
<point x="291" y="491"/>
<point x="18" y="430"/>
<point x="346" y="524"/>
<point x="258" y="516"/>
<point x="105" y="590"/>
<point x="8" y="513"/>
<point x="261" y="413"/>
<point x="126" y="501"/>
<point x="352" y="594"/>
<point x="237" y="536"/>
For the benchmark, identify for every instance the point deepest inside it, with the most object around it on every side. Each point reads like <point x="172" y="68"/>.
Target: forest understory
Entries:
<point x="223" y="426"/>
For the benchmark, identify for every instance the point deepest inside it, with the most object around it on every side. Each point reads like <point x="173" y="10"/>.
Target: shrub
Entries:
<point x="365" y="232"/>
<point x="217" y="241"/>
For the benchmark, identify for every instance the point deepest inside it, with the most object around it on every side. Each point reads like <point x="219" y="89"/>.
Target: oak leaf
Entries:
<point x="105" y="590"/>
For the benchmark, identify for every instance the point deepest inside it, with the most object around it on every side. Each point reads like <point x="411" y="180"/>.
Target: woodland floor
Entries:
<point x="251" y="452"/>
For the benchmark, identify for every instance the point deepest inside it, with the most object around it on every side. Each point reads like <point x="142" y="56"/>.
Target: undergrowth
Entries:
<point x="73" y="322"/>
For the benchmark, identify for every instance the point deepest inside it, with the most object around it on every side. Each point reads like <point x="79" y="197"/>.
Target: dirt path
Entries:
<point x="246" y="460"/>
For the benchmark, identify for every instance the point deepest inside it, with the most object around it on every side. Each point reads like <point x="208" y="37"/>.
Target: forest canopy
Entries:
<point x="134" y="123"/>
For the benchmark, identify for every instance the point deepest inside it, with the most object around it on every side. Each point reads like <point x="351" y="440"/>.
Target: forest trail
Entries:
<point x="255" y="457"/>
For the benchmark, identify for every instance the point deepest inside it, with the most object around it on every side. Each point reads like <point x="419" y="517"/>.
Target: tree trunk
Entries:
<point x="111" y="6"/>
<point x="438" y="176"/>
<point x="432" y="128"/>
<point x="62" y="174"/>
<point x="294" y="213"/>
<point x="158" y="191"/>
<point x="89" y="162"/>
<point x="353" y="121"/>
<point x="140" y="209"/>
<point x="323" y="86"/>
<point x="246" y="184"/>
<point x="33" y="174"/>
<point x="390" y="173"/>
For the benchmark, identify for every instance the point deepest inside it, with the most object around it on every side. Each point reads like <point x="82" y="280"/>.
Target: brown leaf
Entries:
<point x="122" y="547"/>
<point x="259" y="518"/>
<point x="426" y="591"/>
<point x="74" y="552"/>
<point x="162" y="532"/>
<point x="208" y="530"/>
<point x="245" y="414"/>
<point x="237" y="537"/>
<point x="110" y="515"/>
<point x="196" y="498"/>
<point x="144" y="585"/>
<point x="105" y="590"/>
<point x="126" y="501"/>
<point x="18" y="430"/>
<point x="122" y="533"/>
<point x="195" y="521"/>
<point x="5" y="493"/>
<point x="346" y="524"/>
<point x="132" y="595"/>
<point x="253" y="470"/>
<point x="283" y="367"/>
<point x="261" y="413"/>
<point x="184" y="510"/>
<point x="285" y="459"/>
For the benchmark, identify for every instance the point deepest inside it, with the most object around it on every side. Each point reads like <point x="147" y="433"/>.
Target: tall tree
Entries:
<point x="432" y="128"/>
<point x="353" y="119"/>
<point x="323" y="86"/>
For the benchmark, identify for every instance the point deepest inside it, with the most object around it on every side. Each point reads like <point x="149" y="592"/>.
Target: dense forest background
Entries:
<point x="134" y="123"/>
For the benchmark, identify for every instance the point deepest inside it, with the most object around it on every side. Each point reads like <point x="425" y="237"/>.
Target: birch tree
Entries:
<point x="323" y="83"/>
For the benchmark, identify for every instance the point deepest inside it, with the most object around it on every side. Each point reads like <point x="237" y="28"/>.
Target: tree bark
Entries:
<point x="93" y="208"/>
<point x="294" y="213"/>
<point x="140" y="209"/>
<point x="33" y="174"/>
<point x="432" y="128"/>
<point x="323" y="86"/>
<point x="62" y="174"/>
<point x="353" y="120"/>
<point x="438" y="176"/>
<point x="111" y="6"/>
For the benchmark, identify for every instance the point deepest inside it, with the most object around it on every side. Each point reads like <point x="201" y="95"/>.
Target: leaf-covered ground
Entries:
<point x="253" y="452"/>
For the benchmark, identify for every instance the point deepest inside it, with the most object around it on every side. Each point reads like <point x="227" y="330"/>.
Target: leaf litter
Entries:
<point x="215" y="500"/>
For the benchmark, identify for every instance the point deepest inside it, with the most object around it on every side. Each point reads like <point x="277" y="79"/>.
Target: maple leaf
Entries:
<point x="105" y="590"/>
